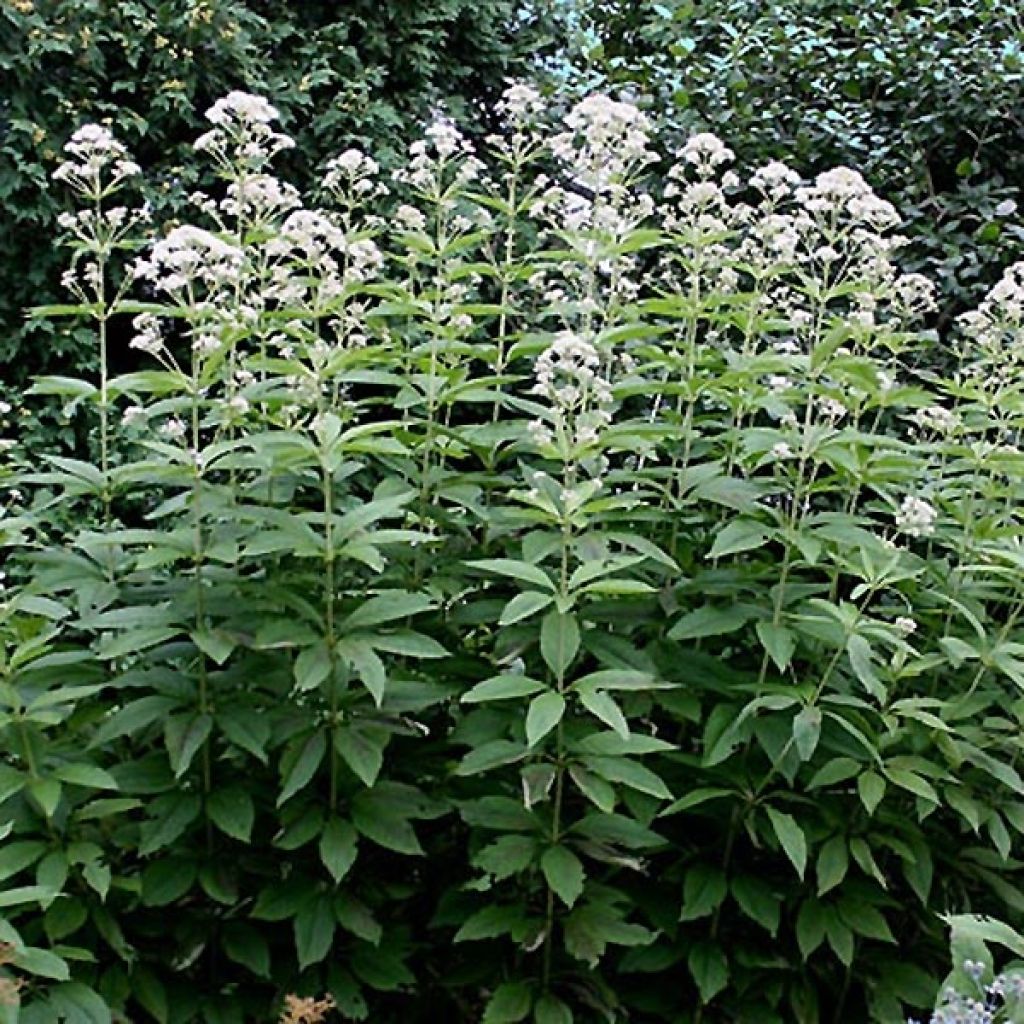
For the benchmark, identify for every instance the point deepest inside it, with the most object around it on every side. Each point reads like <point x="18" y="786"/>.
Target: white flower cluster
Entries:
<point x="520" y="102"/>
<point x="843" y="190"/>
<point x="187" y="257"/>
<point x="566" y="374"/>
<point x="98" y="162"/>
<point x="242" y="134"/>
<point x="441" y="159"/>
<point x="351" y="177"/>
<point x="916" y="517"/>
<point x="997" y="325"/>
<point x="606" y="142"/>
<point x="936" y="419"/>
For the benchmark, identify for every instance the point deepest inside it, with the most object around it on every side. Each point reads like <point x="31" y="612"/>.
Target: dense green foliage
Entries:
<point x="361" y="72"/>
<point x="922" y="96"/>
<point x="559" y="592"/>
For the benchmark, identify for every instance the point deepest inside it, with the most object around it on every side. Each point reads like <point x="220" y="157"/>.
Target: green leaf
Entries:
<point x="23" y="894"/>
<point x="314" y="931"/>
<point x="871" y="788"/>
<point x="551" y="1010"/>
<point x="509" y="1004"/>
<point x="300" y="764"/>
<point x="503" y="687"/>
<point x="355" y="917"/>
<point x="739" y="535"/>
<point x="174" y="816"/>
<point x="338" y="847"/>
<point x="832" y="865"/>
<point x="90" y="776"/>
<point x="778" y="641"/>
<point x="559" y="641"/>
<point x="507" y="856"/>
<point x="385" y="607"/>
<point x="709" y="621"/>
<point x="704" y="890"/>
<point x="362" y="750"/>
<point x="166" y="881"/>
<point x="247" y="946"/>
<point x="791" y="838"/>
<point x="709" y="968"/>
<point x="860" y="654"/>
<point x="312" y="667"/>
<point x="564" y="873"/>
<point x="41" y="962"/>
<point x="489" y="923"/>
<point x="629" y="773"/>
<point x="246" y="729"/>
<point x="810" y="927"/>
<point x="133" y="717"/>
<point x="758" y="901"/>
<point x="523" y="606"/>
<point x="383" y="822"/>
<point x="184" y="738"/>
<point x="603" y="707"/>
<point x="807" y="731"/>
<point x="544" y="713"/>
<point x="232" y="811"/>
<point x="491" y="755"/>
<point x="214" y="643"/>
<point x="516" y="569"/>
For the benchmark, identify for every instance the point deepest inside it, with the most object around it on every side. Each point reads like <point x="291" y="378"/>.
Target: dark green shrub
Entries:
<point x="922" y="96"/>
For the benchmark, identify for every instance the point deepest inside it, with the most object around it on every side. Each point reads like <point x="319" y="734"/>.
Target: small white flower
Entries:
<point x="916" y="517"/>
<point x="905" y="625"/>
<point x="173" y="429"/>
<point x="1007" y="208"/>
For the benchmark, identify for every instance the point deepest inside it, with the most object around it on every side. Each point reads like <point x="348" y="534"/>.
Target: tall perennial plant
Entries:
<point x="552" y="584"/>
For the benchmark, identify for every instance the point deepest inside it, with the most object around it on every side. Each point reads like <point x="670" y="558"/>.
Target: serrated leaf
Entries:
<point x="314" y="931"/>
<point x="709" y="968"/>
<point x="338" y="847"/>
<point x="306" y="758"/>
<point x="232" y="811"/>
<point x="564" y="873"/>
<point x="509" y="1004"/>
